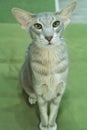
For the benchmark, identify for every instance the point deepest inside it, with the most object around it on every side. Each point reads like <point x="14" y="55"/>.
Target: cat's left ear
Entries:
<point x="65" y="13"/>
<point x="23" y="17"/>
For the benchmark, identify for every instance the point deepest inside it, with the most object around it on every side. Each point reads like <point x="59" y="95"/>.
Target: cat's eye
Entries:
<point x="38" y="26"/>
<point x="56" y="24"/>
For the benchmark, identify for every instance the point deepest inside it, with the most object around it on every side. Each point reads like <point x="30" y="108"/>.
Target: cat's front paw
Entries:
<point x="54" y="127"/>
<point x="43" y="127"/>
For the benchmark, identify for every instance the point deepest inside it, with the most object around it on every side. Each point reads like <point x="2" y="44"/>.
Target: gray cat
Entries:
<point x="44" y="72"/>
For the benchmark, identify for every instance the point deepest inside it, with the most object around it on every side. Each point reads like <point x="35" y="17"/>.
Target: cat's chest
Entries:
<point x="46" y="62"/>
<point x="46" y="66"/>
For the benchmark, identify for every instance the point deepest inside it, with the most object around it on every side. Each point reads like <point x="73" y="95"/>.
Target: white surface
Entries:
<point x="56" y="5"/>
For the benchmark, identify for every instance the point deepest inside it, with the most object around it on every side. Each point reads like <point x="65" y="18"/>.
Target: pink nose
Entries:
<point x="48" y="38"/>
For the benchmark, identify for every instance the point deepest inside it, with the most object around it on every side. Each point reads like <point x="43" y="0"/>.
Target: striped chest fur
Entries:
<point x="48" y="65"/>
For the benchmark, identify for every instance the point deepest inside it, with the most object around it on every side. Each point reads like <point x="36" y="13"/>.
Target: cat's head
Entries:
<point x="45" y="28"/>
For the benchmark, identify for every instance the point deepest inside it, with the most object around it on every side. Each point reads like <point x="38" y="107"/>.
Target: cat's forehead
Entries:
<point x="46" y="17"/>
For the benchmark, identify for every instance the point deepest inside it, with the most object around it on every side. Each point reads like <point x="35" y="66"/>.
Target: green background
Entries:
<point x="33" y="6"/>
<point x="15" y="112"/>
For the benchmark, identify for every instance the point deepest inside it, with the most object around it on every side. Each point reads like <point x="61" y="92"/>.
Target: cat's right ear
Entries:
<point x="65" y="13"/>
<point x="23" y="17"/>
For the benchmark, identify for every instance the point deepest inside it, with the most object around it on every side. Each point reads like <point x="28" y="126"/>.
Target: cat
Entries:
<point x="45" y="70"/>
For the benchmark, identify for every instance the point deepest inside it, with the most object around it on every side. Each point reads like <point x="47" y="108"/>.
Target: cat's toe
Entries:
<point x="32" y="100"/>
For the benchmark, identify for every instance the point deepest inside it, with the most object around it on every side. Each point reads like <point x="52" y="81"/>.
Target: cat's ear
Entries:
<point x="23" y="17"/>
<point x="65" y="13"/>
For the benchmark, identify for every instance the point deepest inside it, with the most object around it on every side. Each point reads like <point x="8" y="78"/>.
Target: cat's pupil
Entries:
<point x="56" y="24"/>
<point x="38" y="26"/>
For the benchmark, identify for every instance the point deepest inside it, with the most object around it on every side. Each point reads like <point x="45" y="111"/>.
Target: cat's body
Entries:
<point x="44" y="73"/>
<point x="49" y="68"/>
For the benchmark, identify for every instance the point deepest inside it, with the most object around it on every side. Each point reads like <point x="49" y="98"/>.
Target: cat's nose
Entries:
<point x="48" y="38"/>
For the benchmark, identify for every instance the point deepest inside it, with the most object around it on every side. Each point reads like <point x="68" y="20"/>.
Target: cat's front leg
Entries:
<point x="54" y="105"/>
<point x="43" y="105"/>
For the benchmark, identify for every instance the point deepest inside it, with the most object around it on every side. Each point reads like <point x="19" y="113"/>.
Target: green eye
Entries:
<point x="56" y="24"/>
<point x="38" y="26"/>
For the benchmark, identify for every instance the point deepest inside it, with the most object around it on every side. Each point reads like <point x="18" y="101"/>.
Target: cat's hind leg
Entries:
<point x="32" y="98"/>
<point x="25" y="81"/>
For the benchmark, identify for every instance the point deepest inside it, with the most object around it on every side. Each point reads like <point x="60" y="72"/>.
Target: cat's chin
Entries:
<point x="49" y="43"/>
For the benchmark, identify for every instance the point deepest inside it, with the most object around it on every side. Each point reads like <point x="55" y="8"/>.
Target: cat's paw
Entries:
<point x="32" y="99"/>
<point x="54" y="127"/>
<point x="43" y="127"/>
<point x="48" y="127"/>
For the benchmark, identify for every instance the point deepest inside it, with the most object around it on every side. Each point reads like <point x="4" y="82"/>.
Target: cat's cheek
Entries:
<point x="55" y="41"/>
<point x="43" y="40"/>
